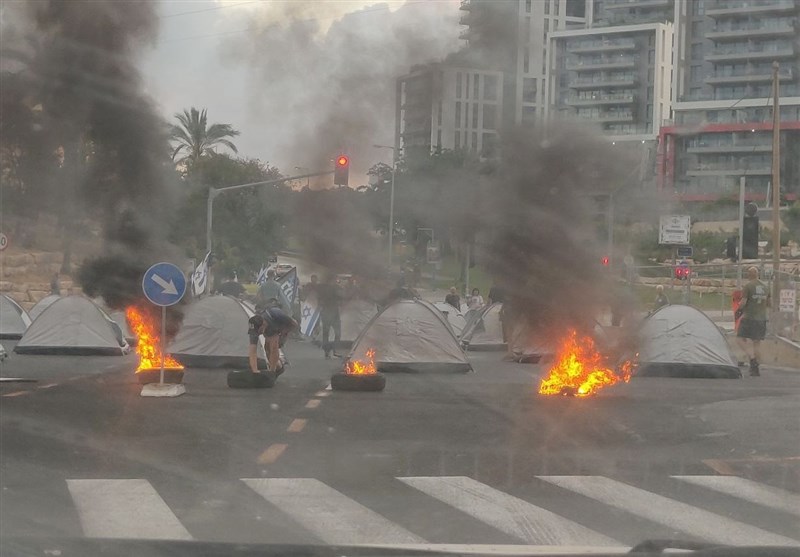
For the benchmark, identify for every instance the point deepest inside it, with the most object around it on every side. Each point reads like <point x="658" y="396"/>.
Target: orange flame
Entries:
<point x="358" y="367"/>
<point x="579" y="369"/>
<point x="149" y="346"/>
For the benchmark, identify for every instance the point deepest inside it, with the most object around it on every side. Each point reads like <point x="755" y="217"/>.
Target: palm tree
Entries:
<point x="195" y="138"/>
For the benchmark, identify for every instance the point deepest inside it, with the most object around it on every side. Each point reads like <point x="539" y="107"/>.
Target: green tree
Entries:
<point x="194" y="138"/>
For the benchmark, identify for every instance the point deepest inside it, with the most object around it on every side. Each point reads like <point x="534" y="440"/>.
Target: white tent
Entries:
<point x="73" y="325"/>
<point x="454" y="317"/>
<point x="122" y="321"/>
<point x="484" y="330"/>
<point x="413" y="336"/>
<point x="214" y="334"/>
<point x="355" y="315"/>
<point x="42" y="305"/>
<point x="14" y="320"/>
<point x="528" y="346"/>
<point x="681" y="341"/>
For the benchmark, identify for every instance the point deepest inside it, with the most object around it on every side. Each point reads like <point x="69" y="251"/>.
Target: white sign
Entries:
<point x="788" y="300"/>
<point x="674" y="229"/>
<point x="3" y="241"/>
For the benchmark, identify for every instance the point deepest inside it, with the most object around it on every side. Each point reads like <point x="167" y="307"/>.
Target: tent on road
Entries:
<point x="454" y="317"/>
<point x="527" y="346"/>
<point x="42" y="305"/>
<point x="682" y="341"/>
<point x="214" y="334"/>
<point x="355" y="315"/>
<point x="411" y="336"/>
<point x="483" y="330"/>
<point x="14" y="320"/>
<point x="122" y="321"/>
<point x="73" y="325"/>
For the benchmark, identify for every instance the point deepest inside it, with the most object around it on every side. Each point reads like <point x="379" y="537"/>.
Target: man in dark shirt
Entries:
<point x="275" y="324"/>
<point x="329" y="298"/>
<point x="453" y="298"/>
<point x="753" y="325"/>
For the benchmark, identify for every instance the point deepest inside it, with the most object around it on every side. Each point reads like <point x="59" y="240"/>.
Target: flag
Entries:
<point x="262" y="275"/>
<point x="290" y="284"/>
<point x="309" y="317"/>
<point x="200" y="277"/>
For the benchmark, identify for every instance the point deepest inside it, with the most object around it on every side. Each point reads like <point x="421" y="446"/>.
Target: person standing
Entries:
<point x="496" y="295"/>
<point x="661" y="298"/>
<point x="753" y="325"/>
<point x="475" y="299"/>
<point x="309" y="290"/>
<point x="329" y="298"/>
<point x="271" y="289"/>
<point x="453" y="298"/>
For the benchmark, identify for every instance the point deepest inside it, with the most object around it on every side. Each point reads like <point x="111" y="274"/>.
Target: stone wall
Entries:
<point x="25" y="277"/>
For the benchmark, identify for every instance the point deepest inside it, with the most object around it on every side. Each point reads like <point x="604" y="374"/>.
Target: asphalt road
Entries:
<point x="434" y="459"/>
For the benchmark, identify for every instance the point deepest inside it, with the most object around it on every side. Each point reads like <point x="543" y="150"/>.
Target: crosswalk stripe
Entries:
<point x="124" y="509"/>
<point x="748" y="490"/>
<point x="506" y="513"/>
<point x="332" y="516"/>
<point x="672" y="513"/>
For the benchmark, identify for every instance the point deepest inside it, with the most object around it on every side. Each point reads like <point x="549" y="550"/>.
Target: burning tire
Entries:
<point x="352" y="382"/>
<point x="171" y="376"/>
<point x="249" y="380"/>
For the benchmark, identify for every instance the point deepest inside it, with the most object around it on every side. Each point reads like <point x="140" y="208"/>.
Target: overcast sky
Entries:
<point x="209" y="55"/>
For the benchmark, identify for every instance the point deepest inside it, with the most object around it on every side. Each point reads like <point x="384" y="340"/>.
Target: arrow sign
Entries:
<point x="164" y="284"/>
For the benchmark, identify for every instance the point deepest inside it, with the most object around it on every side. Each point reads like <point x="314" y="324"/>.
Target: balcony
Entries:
<point x="729" y="54"/>
<point x="607" y="117"/>
<point x="642" y="4"/>
<point x="748" y="7"/>
<point x="598" y="100"/>
<point x="756" y="29"/>
<point x="608" y="64"/>
<point x="756" y="76"/>
<point x="729" y="148"/>
<point x="604" y="83"/>
<point x="728" y="170"/>
<point x="600" y="46"/>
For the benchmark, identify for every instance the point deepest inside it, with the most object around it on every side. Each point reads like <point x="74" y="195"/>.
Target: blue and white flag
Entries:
<point x="200" y="277"/>
<point x="290" y="285"/>
<point x="309" y="317"/>
<point x="262" y="275"/>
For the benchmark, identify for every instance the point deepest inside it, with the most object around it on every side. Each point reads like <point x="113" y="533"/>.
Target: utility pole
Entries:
<point x="776" y="187"/>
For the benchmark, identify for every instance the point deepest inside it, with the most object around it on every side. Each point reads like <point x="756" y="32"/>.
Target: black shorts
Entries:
<point x="752" y="329"/>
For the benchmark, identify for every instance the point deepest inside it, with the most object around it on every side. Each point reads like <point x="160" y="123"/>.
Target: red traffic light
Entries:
<point x="605" y="261"/>
<point x="342" y="161"/>
<point x="682" y="272"/>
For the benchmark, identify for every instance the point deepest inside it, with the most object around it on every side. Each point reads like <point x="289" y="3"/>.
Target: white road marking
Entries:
<point x="672" y="513"/>
<point x="330" y="515"/>
<point x="124" y="509"/>
<point x="749" y="491"/>
<point x="508" y="514"/>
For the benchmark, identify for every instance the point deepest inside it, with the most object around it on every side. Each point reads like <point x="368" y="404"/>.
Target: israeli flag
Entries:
<point x="200" y="277"/>
<point x="290" y="284"/>
<point x="309" y="317"/>
<point x="262" y="275"/>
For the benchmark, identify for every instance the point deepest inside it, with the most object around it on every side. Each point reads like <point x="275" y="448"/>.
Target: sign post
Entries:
<point x="788" y="300"/>
<point x="164" y="284"/>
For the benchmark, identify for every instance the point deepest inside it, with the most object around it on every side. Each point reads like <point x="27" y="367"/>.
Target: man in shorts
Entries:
<point x="753" y="325"/>
<point x="275" y="324"/>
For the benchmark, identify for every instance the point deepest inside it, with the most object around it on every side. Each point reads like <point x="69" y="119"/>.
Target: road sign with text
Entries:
<point x="674" y="230"/>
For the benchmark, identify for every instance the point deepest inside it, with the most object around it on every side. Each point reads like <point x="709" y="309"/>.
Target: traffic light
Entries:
<point x="750" y="237"/>
<point x="683" y="272"/>
<point x="341" y="170"/>
<point x="605" y="261"/>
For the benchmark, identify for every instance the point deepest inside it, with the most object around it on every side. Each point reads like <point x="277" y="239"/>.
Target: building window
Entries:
<point x="697" y="51"/>
<point x="439" y="115"/>
<point x="546" y="27"/>
<point x="458" y="114"/>
<point x="439" y="140"/>
<point x="555" y="25"/>
<point x="457" y="142"/>
<point x="458" y="85"/>
<point x="556" y="6"/>
<point x="698" y="8"/>
<point x="696" y="73"/>
<point x="546" y="7"/>
<point x="466" y="85"/>
<point x="490" y="87"/>
<point x="489" y="117"/>
<point x="526" y="61"/>
<point x="651" y="56"/>
<point x="474" y="115"/>
<point x="476" y="84"/>
<point x="528" y="6"/>
<point x="489" y="141"/>
<point x="475" y="142"/>
<point x="528" y="90"/>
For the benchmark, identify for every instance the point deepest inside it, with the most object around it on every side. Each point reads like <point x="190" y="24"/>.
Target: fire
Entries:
<point x="579" y="369"/>
<point x="149" y="346"/>
<point x="358" y="367"/>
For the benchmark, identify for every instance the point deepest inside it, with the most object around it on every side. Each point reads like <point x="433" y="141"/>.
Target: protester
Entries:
<point x="309" y="290"/>
<point x="275" y="324"/>
<point x="453" y="298"/>
<point x="231" y="287"/>
<point x="272" y="289"/>
<point x="661" y="298"/>
<point x="475" y="299"/>
<point x="753" y="325"/>
<point x="329" y="298"/>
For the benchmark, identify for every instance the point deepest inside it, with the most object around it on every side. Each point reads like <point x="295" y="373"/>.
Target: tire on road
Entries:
<point x="249" y="380"/>
<point x="349" y="382"/>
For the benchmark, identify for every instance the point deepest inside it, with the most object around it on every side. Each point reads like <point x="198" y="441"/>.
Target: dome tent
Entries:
<point x="214" y="334"/>
<point x="484" y="330"/>
<point x="14" y="320"/>
<point x="73" y="325"/>
<point x="411" y="336"/>
<point x="681" y="341"/>
<point x="42" y="305"/>
<point x="454" y="317"/>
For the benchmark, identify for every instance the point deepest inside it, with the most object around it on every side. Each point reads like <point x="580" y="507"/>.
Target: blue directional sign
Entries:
<point x="164" y="284"/>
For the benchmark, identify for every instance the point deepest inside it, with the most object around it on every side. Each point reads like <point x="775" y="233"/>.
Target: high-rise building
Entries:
<point x="722" y="126"/>
<point x="442" y="106"/>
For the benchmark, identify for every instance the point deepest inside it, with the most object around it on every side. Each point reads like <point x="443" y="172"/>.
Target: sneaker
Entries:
<point x="754" y="372"/>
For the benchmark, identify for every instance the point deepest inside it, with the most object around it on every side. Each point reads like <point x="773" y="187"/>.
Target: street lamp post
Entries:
<point x="391" y="199"/>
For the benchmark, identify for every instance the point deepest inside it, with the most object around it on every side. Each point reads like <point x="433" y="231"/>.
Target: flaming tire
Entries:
<point x="351" y="382"/>
<point x="249" y="380"/>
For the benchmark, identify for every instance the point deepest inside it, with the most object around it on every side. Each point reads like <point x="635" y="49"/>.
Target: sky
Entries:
<point x="269" y="68"/>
